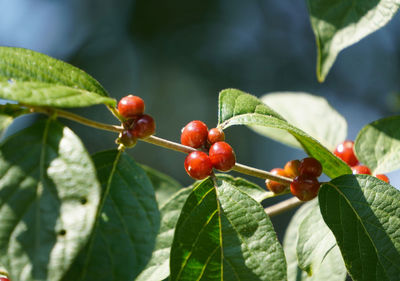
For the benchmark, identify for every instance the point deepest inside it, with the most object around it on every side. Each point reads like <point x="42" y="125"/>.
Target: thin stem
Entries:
<point x="168" y="144"/>
<point x="283" y="206"/>
<point x="156" y="141"/>
<point x="260" y="173"/>
<point x="76" y="118"/>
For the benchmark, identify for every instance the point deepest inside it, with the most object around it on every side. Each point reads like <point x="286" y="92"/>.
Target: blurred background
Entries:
<point x="177" y="55"/>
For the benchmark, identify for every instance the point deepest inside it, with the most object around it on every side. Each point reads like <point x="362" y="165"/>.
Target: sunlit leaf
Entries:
<point x="339" y="24"/>
<point x="49" y="196"/>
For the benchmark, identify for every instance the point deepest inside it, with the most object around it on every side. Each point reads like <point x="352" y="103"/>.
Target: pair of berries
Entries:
<point x="220" y="156"/>
<point x="345" y="151"/>
<point x="137" y="124"/>
<point x="304" y="173"/>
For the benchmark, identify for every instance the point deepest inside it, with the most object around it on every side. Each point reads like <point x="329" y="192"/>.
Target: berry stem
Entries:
<point x="283" y="206"/>
<point x="156" y="141"/>
<point x="115" y="112"/>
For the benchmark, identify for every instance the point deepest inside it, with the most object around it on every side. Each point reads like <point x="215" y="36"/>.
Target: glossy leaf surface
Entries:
<point x="49" y="196"/>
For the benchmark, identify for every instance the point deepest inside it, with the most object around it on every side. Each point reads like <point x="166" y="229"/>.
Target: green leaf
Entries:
<point x="312" y="114"/>
<point x="294" y="272"/>
<point x="251" y="189"/>
<point x="339" y="24"/>
<point x="49" y="196"/>
<point x="164" y="185"/>
<point x="333" y="166"/>
<point x="45" y="94"/>
<point x="317" y="251"/>
<point x="22" y="65"/>
<point x="158" y="267"/>
<point x="364" y="215"/>
<point x="126" y="226"/>
<point x="234" y="102"/>
<point x="7" y="114"/>
<point x="223" y="234"/>
<point x="378" y="145"/>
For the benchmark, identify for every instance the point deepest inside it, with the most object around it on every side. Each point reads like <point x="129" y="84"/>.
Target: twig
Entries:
<point x="156" y="141"/>
<point x="283" y="206"/>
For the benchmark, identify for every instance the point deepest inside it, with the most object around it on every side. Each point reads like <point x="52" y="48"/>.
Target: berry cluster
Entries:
<point x="304" y="173"/>
<point x="137" y="125"/>
<point x="345" y="151"/>
<point x="220" y="156"/>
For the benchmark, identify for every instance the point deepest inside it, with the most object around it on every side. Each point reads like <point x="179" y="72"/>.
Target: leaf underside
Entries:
<point x="230" y="99"/>
<point x="312" y="114"/>
<point x="339" y="24"/>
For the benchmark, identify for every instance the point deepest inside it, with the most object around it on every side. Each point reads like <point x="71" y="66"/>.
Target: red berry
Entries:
<point x="198" y="165"/>
<point x="222" y="156"/>
<point x="310" y="167"/>
<point x="143" y="127"/>
<point x="361" y="169"/>
<point x="274" y="186"/>
<point x="127" y="139"/>
<point x="215" y="135"/>
<point x="3" y="278"/>
<point x="383" y="177"/>
<point x="130" y="106"/>
<point x="345" y="151"/>
<point x="305" y="188"/>
<point x="292" y="168"/>
<point x="194" y="134"/>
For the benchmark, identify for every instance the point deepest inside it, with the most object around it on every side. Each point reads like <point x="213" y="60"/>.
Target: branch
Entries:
<point x="156" y="141"/>
<point x="283" y="206"/>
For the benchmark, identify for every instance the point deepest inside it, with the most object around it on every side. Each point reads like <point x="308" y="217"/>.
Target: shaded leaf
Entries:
<point x="158" y="267"/>
<point x="164" y="186"/>
<point x="317" y="251"/>
<point x="126" y="226"/>
<point x="294" y="272"/>
<point x="225" y="237"/>
<point x="364" y="215"/>
<point x="7" y="114"/>
<point x="245" y="186"/>
<point x="339" y="24"/>
<point x="22" y="65"/>
<point x="45" y="94"/>
<point x="312" y="114"/>
<point x="333" y="166"/>
<point x="48" y="201"/>
<point x="378" y="145"/>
